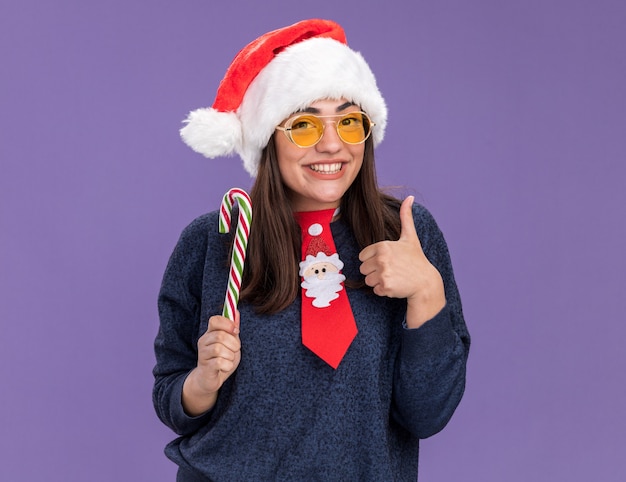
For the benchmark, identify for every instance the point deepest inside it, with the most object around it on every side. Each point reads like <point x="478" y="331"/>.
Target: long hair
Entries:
<point x="270" y="280"/>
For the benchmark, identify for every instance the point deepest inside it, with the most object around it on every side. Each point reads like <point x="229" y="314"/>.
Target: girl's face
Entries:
<point x="317" y="177"/>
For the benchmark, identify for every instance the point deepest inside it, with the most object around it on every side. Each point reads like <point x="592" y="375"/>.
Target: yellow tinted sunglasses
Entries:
<point x="306" y="130"/>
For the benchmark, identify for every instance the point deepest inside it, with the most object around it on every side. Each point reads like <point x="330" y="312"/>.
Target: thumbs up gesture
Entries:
<point x="399" y="269"/>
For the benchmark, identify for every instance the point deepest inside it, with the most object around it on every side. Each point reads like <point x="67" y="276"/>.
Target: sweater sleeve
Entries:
<point x="175" y="345"/>
<point x="430" y="372"/>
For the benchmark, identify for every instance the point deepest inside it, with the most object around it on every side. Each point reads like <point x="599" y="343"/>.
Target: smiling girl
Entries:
<point x="350" y="344"/>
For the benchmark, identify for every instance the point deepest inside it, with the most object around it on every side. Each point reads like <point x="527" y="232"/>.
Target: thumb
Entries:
<point x="406" y="219"/>
<point x="237" y="322"/>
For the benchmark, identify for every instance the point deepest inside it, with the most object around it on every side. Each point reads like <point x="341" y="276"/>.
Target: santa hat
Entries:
<point x="280" y="73"/>
<point x="318" y="245"/>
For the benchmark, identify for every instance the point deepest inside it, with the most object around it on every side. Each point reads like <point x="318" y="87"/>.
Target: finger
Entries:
<point x="222" y="323"/>
<point x="406" y="219"/>
<point x="212" y="367"/>
<point x="367" y="267"/>
<point x="367" y="252"/>
<point x="372" y="280"/>
<point x="237" y="322"/>
<point x="212" y="341"/>
<point x="216" y="351"/>
<point x="381" y="250"/>
<point x="218" y="344"/>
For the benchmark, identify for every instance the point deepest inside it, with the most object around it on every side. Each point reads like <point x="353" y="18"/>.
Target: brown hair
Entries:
<point x="270" y="279"/>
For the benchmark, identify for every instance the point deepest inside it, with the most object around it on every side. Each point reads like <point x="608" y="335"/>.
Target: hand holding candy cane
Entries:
<point x="239" y="245"/>
<point x="219" y="349"/>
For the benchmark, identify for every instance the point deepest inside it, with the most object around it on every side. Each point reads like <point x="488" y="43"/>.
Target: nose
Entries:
<point x="330" y="141"/>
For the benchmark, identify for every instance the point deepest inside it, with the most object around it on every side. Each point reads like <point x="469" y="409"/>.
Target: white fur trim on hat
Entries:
<point x="212" y="133"/>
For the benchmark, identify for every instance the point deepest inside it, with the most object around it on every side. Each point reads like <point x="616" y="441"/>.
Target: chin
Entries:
<point x="334" y="198"/>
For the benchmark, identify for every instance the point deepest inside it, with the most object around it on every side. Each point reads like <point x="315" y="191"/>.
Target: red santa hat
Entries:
<point x="318" y="245"/>
<point x="276" y="75"/>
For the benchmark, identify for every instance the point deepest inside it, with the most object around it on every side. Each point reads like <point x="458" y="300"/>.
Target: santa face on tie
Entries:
<point x="321" y="278"/>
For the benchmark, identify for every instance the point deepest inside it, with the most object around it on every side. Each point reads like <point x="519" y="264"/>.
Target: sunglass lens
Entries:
<point x="306" y="130"/>
<point x="354" y="128"/>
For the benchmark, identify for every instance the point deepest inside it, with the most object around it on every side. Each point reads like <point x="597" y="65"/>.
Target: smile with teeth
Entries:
<point x="333" y="168"/>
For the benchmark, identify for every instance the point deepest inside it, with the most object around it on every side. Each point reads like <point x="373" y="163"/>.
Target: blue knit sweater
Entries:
<point x="285" y="414"/>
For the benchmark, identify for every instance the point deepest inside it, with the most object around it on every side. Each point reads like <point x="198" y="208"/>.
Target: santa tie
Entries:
<point x="328" y="325"/>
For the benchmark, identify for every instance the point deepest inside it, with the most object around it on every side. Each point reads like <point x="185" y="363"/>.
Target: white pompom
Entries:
<point x="212" y="133"/>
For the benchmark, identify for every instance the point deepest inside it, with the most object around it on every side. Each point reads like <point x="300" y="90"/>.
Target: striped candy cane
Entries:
<point x="239" y="245"/>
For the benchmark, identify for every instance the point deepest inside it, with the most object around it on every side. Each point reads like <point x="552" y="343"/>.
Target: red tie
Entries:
<point x="328" y="325"/>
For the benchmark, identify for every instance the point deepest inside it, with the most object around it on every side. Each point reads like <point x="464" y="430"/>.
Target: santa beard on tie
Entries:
<point x="321" y="278"/>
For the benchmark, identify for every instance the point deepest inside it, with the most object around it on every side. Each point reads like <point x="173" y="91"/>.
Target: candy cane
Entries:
<point x="239" y="245"/>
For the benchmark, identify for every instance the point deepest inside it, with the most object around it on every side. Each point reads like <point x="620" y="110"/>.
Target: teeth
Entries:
<point x="326" y="168"/>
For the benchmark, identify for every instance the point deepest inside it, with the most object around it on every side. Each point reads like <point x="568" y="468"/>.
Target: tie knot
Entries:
<point x="309" y="219"/>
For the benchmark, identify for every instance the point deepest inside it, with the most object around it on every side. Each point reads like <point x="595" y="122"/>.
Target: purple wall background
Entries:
<point x="507" y="119"/>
